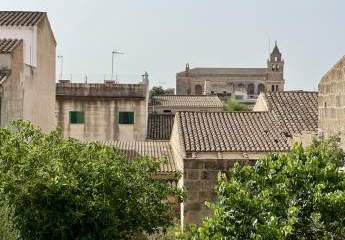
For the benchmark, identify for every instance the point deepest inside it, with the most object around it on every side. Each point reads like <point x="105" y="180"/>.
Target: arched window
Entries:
<point x="240" y="87"/>
<point x="198" y="90"/>
<point x="261" y="88"/>
<point x="251" y="89"/>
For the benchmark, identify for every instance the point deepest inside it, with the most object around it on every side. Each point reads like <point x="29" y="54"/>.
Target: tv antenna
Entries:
<point x="114" y="53"/>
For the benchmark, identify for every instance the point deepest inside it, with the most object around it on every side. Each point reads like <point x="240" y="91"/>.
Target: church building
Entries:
<point x="243" y="84"/>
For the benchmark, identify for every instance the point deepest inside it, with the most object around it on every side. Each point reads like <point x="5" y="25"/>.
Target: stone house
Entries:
<point x="332" y="102"/>
<point x="27" y="69"/>
<point x="102" y="112"/>
<point x="243" y="84"/>
<point x="205" y="143"/>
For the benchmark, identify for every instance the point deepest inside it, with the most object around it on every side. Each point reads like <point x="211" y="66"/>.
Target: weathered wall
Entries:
<point x="200" y="180"/>
<point x="101" y="118"/>
<point x="11" y="92"/>
<point x="332" y="101"/>
<point x="39" y="86"/>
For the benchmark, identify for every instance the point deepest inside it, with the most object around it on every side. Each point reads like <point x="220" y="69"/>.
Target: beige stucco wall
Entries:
<point x="261" y="104"/>
<point x="11" y="91"/>
<point x="39" y="88"/>
<point x="332" y="101"/>
<point x="29" y="92"/>
<point x="101" y="118"/>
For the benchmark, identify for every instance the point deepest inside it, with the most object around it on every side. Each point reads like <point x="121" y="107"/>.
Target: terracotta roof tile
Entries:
<point x="154" y="149"/>
<point x="159" y="126"/>
<point x="187" y="101"/>
<point x="296" y="110"/>
<point x="231" y="132"/>
<point x="8" y="45"/>
<point x="20" y="18"/>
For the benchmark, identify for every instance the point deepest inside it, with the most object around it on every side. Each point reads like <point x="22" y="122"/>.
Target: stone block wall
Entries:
<point x="200" y="180"/>
<point x="332" y="101"/>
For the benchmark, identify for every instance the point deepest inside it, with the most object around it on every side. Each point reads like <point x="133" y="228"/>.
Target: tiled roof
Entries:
<point x="296" y="110"/>
<point x="8" y="45"/>
<point x="154" y="149"/>
<point x="159" y="126"/>
<point x="231" y="132"/>
<point x="187" y="101"/>
<point x="19" y="18"/>
<point x="227" y="71"/>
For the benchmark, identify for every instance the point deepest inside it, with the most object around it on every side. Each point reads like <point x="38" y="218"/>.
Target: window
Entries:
<point x="272" y="88"/>
<point x="126" y="118"/>
<point x="167" y="111"/>
<point x="76" y="117"/>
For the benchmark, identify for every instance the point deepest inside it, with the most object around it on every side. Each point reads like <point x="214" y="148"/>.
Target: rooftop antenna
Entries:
<point x="114" y="53"/>
<point x="60" y="57"/>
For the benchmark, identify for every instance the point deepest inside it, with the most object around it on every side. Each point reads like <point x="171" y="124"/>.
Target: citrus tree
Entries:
<point x="58" y="188"/>
<point x="299" y="195"/>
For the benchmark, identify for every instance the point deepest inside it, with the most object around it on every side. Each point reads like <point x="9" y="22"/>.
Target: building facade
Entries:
<point x="332" y="102"/>
<point x="103" y="112"/>
<point x="27" y="67"/>
<point x="243" y="84"/>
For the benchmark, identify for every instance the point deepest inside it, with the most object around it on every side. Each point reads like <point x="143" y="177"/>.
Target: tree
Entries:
<point x="156" y="91"/>
<point x="231" y="105"/>
<point x="58" y="188"/>
<point x="299" y="195"/>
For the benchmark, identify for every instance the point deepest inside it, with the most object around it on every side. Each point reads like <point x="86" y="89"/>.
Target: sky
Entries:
<point x="161" y="36"/>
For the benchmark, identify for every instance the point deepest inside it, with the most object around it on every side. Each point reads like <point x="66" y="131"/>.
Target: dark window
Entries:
<point x="76" y="117"/>
<point x="272" y="88"/>
<point x="198" y="89"/>
<point x="212" y="92"/>
<point x="126" y="118"/>
<point x="167" y="111"/>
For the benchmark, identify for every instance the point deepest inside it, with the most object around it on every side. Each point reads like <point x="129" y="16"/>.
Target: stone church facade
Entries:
<point x="244" y="84"/>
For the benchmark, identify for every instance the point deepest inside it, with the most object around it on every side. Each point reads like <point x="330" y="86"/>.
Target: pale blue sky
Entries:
<point x="160" y="36"/>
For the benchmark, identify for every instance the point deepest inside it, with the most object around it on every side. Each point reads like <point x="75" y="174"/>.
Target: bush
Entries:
<point x="59" y="188"/>
<point x="300" y="195"/>
<point x="231" y="105"/>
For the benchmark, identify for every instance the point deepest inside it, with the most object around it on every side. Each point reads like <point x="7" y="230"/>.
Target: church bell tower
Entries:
<point x="275" y="71"/>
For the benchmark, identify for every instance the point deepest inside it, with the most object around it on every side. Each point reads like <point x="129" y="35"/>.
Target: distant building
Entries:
<point x="243" y="84"/>
<point x="332" y="102"/>
<point x="103" y="112"/>
<point x="27" y="69"/>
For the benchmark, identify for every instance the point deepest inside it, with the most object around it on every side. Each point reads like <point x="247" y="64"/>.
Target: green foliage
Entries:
<point x="59" y="188"/>
<point x="231" y="105"/>
<point x="7" y="230"/>
<point x="156" y="91"/>
<point x="300" y="195"/>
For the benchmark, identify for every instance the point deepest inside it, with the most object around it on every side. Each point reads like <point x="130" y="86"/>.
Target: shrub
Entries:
<point x="299" y="195"/>
<point x="59" y="188"/>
